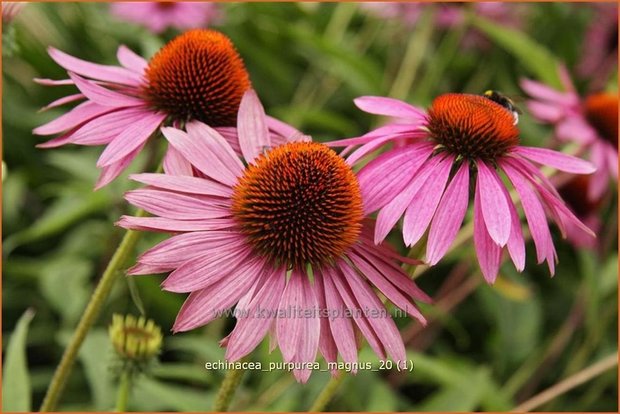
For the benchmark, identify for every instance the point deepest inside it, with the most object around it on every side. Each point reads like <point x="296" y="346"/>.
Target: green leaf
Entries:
<point x="538" y="60"/>
<point x="16" y="382"/>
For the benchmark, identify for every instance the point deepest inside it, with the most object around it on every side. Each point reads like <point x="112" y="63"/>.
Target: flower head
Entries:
<point x="158" y="16"/>
<point x="591" y="122"/>
<point x="136" y="341"/>
<point x="282" y="237"/>
<point x="198" y="75"/>
<point x="462" y="142"/>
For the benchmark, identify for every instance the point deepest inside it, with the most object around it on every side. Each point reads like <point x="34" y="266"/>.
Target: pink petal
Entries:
<point x="327" y="345"/>
<point x="93" y="70"/>
<point x="130" y="60"/>
<point x="575" y="128"/>
<point x="203" y="306"/>
<point x="424" y="203"/>
<point x="378" y="142"/>
<point x="252" y="127"/>
<point x="178" y="206"/>
<point x="489" y="253"/>
<point x="176" y="164"/>
<point x="335" y="285"/>
<point x="53" y="82"/>
<point x="103" y="96"/>
<point x="389" y="107"/>
<point x="534" y="212"/>
<point x="555" y="159"/>
<point x="200" y="151"/>
<point x="493" y="204"/>
<point x="184" y="184"/>
<point x="386" y="176"/>
<point x="281" y="128"/>
<point x="206" y="269"/>
<point x="389" y="215"/>
<point x="105" y="128"/>
<point x="449" y="216"/>
<point x="545" y="112"/>
<point x="384" y="327"/>
<point x="386" y="287"/>
<point x="131" y="138"/>
<point x="110" y="172"/>
<point x="170" y="225"/>
<point x="395" y="130"/>
<point x="78" y="115"/>
<point x="251" y="329"/>
<point x="62" y="101"/>
<point x="543" y="92"/>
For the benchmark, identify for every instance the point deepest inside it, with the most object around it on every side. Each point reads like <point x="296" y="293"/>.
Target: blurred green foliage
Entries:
<point x="492" y="348"/>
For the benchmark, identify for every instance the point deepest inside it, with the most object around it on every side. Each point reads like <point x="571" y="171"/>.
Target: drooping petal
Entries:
<point x="281" y="128"/>
<point x="175" y="164"/>
<point x="424" y="203"/>
<point x="170" y="225"/>
<point x="198" y="152"/>
<point x="110" y="172"/>
<point x="178" y="206"/>
<point x="493" y="204"/>
<point x="488" y="252"/>
<point x="394" y="130"/>
<point x="93" y="70"/>
<point x="103" y="96"/>
<point x="449" y="216"/>
<point x="385" y="176"/>
<point x="80" y="114"/>
<point x="555" y="159"/>
<point x="379" y="105"/>
<point x="184" y="184"/>
<point x="389" y="215"/>
<point x="516" y="243"/>
<point x="376" y="143"/>
<point x="203" y="306"/>
<point x="383" y="326"/>
<point x="105" y="128"/>
<point x="543" y="92"/>
<point x="252" y="127"/>
<point x="254" y="323"/>
<point x="327" y="344"/>
<point x="62" y="101"/>
<point x="134" y="136"/>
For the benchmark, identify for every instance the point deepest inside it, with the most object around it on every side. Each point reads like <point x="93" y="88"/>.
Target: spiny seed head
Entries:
<point x="198" y="75"/>
<point x="299" y="204"/>
<point x="472" y="126"/>
<point x="601" y="110"/>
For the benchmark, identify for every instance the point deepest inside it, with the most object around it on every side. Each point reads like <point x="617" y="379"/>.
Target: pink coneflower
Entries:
<point x="600" y="44"/>
<point x="197" y="76"/>
<point x="158" y="16"/>
<point x="592" y="122"/>
<point x="282" y="237"/>
<point x="464" y="141"/>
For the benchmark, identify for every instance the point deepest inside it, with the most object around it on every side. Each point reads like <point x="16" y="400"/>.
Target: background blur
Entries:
<point x="485" y="348"/>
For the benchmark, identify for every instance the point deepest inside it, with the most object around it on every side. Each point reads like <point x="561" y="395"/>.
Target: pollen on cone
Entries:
<point x="199" y="75"/>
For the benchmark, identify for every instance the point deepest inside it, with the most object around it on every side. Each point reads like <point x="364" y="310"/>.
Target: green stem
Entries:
<point x="231" y="382"/>
<point x="124" y="389"/>
<point x="327" y="394"/>
<point x="93" y="309"/>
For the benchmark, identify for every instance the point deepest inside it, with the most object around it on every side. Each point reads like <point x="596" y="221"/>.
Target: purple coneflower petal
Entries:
<point x="389" y="107"/>
<point x="111" y="171"/>
<point x="184" y="184"/>
<point x="327" y="344"/>
<point x="103" y="129"/>
<point x="101" y="95"/>
<point x="94" y="70"/>
<point x="493" y="204"/>
<point x="130" y="60"/>
<point x="390" y="214"/>
<point x="389" y="173"/>
<point x="178" y="206"/>
<point x="545" y="112"/>
<point x="341" y="325"/>
<point x="281" y="128"/>
<point x="252" y="128"/>
<point x="488" y="252"/>
<point x="424" y="203"/>
<point x="170" y="225"/>
<point x="134" y="136"/>
<point x="574" y="128"/>
<point x="53" y="82"/>
<point x="206" y="269"/>
<point x="396" y="131"/>
<point x="62" y="101"/>
<point x="203" y="306"/>
<point x="516" y="243"/>
<point x="201" y="156"/>
<point x="82" y="113"/>
<point x="384" y="327"/>
<point x="175" y="164"/>
<point x="254" y="321"/>
<point x="366" y="149"/>
<point x="449" y="216"/>
<point x="555" y="159"/>
<point x="543" y="92"/>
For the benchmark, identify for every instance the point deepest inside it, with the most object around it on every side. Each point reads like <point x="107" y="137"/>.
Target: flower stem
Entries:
<point x="327" y="394"/>
<point x="93" y="309"/>
<point x="231" y="382"/>
<point x="124" y="389"/>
